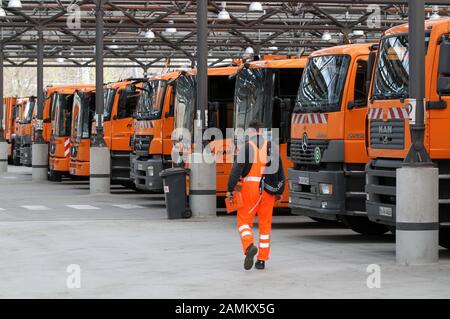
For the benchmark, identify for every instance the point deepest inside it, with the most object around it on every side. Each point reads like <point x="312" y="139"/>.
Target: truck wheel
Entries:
<point x="187" y="213"/>
<point x="444" y="237"/>
<point x="364" y="226"/>
<point x="54" y="176"/>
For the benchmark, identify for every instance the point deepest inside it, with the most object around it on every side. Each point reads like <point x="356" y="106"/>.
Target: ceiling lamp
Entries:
<point x="223" y="15"/>
<point x="255" y="6"/>
<point x="326" y="36"/>
<point x="2" y="12"/>
<point x="14" y="4"/>
<point x="435" y="15"/>
<point x="359" y="33"/>
<point x="273" y="48"/>
<point x="60" y="59"/>
<point x="249" y="51"/>
<point x="150" y="34"/>
<point x="171" y="29"/>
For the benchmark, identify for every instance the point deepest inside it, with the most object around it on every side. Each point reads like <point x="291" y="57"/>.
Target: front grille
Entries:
<point x="306" y="156"/>
<point x="142" y="143"/>
<point x="387" y="135"/>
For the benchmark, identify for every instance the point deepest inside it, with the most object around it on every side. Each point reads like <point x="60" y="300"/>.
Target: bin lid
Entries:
<point x="172" y="171"/>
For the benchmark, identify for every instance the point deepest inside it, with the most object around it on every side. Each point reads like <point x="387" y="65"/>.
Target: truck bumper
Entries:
<point x="58" y="164"/>
<point x="381" y="191"/>
<point x="147" y="174"/>
<point x="81" y="169"/>
<point x="25" y="156"/>
<point x="305" y="197"/>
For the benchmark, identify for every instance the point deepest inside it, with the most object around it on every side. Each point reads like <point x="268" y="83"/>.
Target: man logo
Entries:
<point x="305" y="142"/>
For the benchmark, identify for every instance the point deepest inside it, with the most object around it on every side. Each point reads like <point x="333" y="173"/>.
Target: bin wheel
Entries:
<point x="364" y="226"/>
<point x="187" y="213"/>
<point x="444" y="237"/>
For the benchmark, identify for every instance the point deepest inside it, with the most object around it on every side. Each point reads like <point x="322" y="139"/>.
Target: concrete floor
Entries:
<point x="126" y="248"/>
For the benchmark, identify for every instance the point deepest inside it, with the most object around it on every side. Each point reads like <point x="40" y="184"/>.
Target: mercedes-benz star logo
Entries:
<point x="305" y="142"/>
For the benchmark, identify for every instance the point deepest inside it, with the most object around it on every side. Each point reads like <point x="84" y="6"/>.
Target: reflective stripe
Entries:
<point x="244" y="227"/>
<point x="264" y="245"/>
<point x="264" y="237"/>
<point x="246" y="233"/>
<point x="252" y="179"/>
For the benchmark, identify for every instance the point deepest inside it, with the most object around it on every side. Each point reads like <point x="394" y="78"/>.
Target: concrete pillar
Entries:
<point x="39" y="151"/>
<point x="3" y="157"/>
<point x="3" y="144"/>
<point x="100" y="178"/>
<point x="202" y="180"/>
<point x="100" y="160"/>
<point x="39" y="155"/>
<point x="417" y="234"/>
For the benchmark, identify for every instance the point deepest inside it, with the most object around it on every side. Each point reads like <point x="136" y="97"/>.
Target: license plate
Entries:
<point x="303" y="180"/>
<point x="140" y="167"/>
<point x="385" y="211"/>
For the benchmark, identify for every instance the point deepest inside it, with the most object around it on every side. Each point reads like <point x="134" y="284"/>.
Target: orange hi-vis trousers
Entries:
<point x="255" y="204"/>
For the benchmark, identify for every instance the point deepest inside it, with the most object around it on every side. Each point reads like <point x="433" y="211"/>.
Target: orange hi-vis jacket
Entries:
<point x="256" y="202"/>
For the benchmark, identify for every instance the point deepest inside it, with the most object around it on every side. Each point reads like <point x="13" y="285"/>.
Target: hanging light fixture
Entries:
<point x="255" y="6"/>
<point x="249" y="51"/>
<point x="2" y="11"/>
<point x="326" y="36"/>
<point x="359" y="33"/>
<point x="149" y="34"/>
<point x="60" y="59"/>
<point x="273" y="48"/>
<point x="171" y="29"/>
<point x="435" y="11"/>
<point x="223" y="15"/>
<point x="14" y="4"/>
<point x="114" y="46"/>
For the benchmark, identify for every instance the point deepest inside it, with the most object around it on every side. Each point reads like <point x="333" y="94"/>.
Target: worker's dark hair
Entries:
<point x="255" y="124"/>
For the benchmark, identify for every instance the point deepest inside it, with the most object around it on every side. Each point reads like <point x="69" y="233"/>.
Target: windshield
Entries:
<point x="252" y="97"/>
<point x="62" y="108"/>
<point x="185" y="102"/>
<point x="151" y="100"/>
<point x="109" y="94"/>
<point x="322" y="84"/>
<point x="392" y="68"/>
<point x="84" y="106"/>
<point x="28" y="113"/>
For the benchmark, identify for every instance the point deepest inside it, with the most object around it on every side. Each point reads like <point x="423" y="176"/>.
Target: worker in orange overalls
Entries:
<point x="258" y="197"/>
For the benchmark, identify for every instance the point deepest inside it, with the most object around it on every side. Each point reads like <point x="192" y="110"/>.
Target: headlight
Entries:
<point x="326" y="189"/>
<point x="150" y="170"/>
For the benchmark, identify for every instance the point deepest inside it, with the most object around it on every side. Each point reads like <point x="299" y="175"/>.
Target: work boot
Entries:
<point x="249" y="255"/>
<point x="260" y="264"/>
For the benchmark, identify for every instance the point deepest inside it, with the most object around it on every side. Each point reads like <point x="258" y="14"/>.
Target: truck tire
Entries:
<point x="54" y="176"/>
<point x="444" y="237"/>
<point x="364" y="226"/>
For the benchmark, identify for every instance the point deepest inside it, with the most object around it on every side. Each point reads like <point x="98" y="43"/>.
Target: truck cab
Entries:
<point x="83" y="110"/>
<point x="153" y="126"/>
<point x="121" y="101"/>
<point x="25" y="131"/>
<point x="328" y="138"/>
<point x="389" y="116"/>
<point x="60" y="102"/>
<point x="9" y="104"/>
<point x="265" y="90"/>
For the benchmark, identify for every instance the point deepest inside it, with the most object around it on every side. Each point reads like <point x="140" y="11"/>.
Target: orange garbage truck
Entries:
<point x="83" y="110"/>
<point x="389" y="116"/>
<point x="121" y="100"/>
<point x="153" y="126"/>
<point x="9" y="123"/>
<point x="25" y="131"/>
<point x="329" y="135"/>
<point x="58" y="108"/>
<point x="264" y="90"/>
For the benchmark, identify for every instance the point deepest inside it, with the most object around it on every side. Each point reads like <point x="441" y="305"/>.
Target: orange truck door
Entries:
<point x="122" y="124"/>
<point x="356" y="111"/>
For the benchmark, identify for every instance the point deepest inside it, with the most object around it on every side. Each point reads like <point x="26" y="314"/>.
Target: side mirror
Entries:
<point x="167" y="114"/>
<point x="443" y="84"/>
<point x="131" y="88"/>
